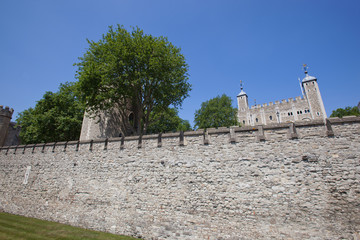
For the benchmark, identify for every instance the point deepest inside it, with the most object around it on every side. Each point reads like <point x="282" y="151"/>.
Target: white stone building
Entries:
<point x="305" y="108"/>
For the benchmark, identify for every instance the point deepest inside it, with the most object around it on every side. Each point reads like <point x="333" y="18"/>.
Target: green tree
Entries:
<point x="347" y="111"/>
<point x="167" y="121"/>
<point x="217" y="112"/>
<point x="56" y="117"/>
<point x="138" y="73"/>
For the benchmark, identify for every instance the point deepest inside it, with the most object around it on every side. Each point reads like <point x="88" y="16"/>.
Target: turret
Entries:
<point x="242" y="100"/>
<point x="313" y="96"/>
<point x="243" y="106"/>
<point x="5" y="117"/>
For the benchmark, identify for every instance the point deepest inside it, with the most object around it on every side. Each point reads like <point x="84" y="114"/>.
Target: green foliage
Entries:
<point x="217" y="112"/>
<point x="56" y="117"/>
<point x="19" y="227"/>
<point x="138" y="72"/>
<point x="167" y="121"/>
<point x="348" y="111"/>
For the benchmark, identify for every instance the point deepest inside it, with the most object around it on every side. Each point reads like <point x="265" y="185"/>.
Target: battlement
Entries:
<point x="284" y="101"/>
<point x="6" y="112"/>
<point x="271" y="132"/>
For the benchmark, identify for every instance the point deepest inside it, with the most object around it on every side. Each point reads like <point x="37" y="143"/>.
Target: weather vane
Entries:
<point x="241" y="85"/>
<point x="305" y="67"/>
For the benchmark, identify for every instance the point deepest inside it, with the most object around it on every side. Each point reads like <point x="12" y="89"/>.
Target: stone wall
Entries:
<point x="13" y="135"/>
<point x="274" y="182"/>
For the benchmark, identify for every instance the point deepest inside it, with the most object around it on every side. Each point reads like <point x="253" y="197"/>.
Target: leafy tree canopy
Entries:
<point x="167" y="121"/>
<point x="347" y="111"/>
<point x="137" y="72"/>
<point x="56" y="117"/>
<point x="217" y="112"/>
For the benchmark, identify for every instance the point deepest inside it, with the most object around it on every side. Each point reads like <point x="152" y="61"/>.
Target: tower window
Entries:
<point x="318" y="113"/>
<point x="257" y="120"/>
<point x="243" y="121"/>
<point x="270" y="117"/>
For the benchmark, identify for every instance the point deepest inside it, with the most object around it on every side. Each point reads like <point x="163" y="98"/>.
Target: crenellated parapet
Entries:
<point x="6" y="112"/>
<point x="282" y="102"/>
<point x="210" y="136"/>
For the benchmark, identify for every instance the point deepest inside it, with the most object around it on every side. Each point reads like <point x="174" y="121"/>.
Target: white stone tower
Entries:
<point x="313" y="96"/>
<point x="243" y="105"/>
<point x="289" y="110"/>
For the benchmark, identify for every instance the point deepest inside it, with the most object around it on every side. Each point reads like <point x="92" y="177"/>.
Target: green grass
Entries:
<point x="19" y="227"/>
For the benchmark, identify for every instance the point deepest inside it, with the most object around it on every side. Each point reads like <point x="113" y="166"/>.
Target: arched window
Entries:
<point x="257" y="120"/>
<point x="270" y="117"/>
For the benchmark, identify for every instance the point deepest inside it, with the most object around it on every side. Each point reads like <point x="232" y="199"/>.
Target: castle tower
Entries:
<point x="243" y="105"/>
<point x="108" y="124"/>
<point x="5" y="117"/>
<point x="313" y="96"/>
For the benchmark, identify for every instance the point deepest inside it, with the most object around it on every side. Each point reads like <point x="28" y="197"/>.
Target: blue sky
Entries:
<point x="263" y="43"/>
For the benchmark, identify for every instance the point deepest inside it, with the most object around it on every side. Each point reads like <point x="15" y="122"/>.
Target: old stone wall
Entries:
<point x="274" y="182"/>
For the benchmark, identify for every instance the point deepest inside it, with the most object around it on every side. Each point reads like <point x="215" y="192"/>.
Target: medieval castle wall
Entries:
<point x="279" y="181"/>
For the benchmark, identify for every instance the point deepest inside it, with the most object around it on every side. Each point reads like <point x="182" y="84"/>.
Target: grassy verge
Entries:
<point x="19" y="227"/>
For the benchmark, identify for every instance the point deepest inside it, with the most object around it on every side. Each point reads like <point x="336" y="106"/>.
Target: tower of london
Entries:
<point x="309" y="106"/>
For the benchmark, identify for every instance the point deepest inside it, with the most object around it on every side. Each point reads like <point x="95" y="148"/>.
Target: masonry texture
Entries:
<point x="284" y="181"/>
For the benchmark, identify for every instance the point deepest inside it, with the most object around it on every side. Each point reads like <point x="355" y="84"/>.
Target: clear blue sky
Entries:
<point x="262" y="42"/>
